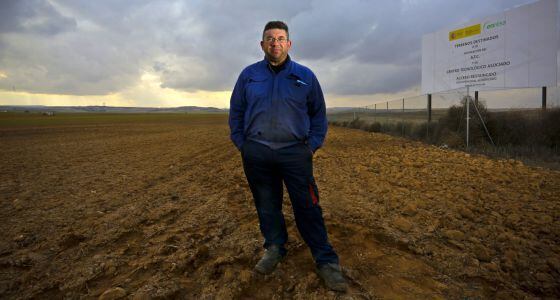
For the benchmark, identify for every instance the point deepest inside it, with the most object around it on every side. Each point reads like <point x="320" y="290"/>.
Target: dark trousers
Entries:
<point x="266" y="169"/>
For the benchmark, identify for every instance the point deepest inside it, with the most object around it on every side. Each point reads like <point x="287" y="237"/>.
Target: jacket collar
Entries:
<point x="284" y="66"/>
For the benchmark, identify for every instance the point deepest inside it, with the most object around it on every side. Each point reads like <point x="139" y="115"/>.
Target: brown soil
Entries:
<point x="162" y="210"/>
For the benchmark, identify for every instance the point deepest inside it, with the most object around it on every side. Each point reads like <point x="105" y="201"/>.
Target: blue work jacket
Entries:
<point x="278" y="108"/>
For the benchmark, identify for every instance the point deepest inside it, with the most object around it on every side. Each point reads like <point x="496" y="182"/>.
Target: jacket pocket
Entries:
<point x="256" y="88"/>
<point x="298" y="93"/>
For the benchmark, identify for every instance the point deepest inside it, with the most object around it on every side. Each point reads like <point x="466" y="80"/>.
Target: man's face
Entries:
<point x="276" y="45"/>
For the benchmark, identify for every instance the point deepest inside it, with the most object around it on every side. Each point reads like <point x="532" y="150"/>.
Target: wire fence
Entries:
<point x="528" y="117"/>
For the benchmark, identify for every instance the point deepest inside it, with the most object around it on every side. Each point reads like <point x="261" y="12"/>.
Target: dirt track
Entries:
<point x="162" y="210"/>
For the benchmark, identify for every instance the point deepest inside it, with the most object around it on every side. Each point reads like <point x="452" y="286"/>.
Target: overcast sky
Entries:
<point x="174" y="53"/>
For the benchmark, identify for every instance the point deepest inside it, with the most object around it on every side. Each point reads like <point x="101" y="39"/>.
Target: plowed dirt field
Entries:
<point x="157" y="207"/>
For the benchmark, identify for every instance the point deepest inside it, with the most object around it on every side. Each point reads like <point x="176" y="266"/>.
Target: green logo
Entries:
<point x="493" y="25"/>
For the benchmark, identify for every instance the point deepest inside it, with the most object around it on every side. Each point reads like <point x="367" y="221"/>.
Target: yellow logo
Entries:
<point x="464" y="32"/>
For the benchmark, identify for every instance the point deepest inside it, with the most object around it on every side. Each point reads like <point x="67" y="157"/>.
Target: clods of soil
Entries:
<point x="144" y="210"/>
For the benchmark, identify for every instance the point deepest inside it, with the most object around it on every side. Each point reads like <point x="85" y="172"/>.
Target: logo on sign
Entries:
<point x="493" y="25"/>
<point x="464" y="32"/>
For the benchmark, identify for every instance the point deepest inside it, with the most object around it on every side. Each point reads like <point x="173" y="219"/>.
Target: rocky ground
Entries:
<point x="161" y="210"/>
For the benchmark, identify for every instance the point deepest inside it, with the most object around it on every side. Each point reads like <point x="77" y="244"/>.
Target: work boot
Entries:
<point x="332" y="275"/>
<point x="270" y="260"/>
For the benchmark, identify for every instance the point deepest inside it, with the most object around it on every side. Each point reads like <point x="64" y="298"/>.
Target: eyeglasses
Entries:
<point x="280" y="40"/>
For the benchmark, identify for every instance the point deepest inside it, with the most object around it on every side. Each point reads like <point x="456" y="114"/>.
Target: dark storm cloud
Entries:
<point x="33" y="16"/>
<point x="98" y="47"/>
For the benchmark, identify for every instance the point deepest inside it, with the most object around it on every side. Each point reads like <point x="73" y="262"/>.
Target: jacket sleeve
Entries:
<point x="317" y="112"/>
<point x="237" y="106"/>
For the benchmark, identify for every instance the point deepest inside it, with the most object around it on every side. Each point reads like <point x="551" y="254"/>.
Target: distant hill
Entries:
<point x="333" y="110"/>
<point x="111" y="109"/>
<point x="121" y="109"/>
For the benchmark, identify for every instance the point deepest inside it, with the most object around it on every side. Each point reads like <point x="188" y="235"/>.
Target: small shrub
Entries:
<point x="374" y="127"/>
<point x="334" y="123"/>
<point x="356" y="123"/>
<point x="550" y="128"/>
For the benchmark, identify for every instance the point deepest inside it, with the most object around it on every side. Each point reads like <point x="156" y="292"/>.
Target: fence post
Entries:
<point x="476" y="98"/>
<point x="429" y="108"/>
<point x="544" y="98"/>
<point x="468" y="101"/>
<point x="429" y="116"/>
<point x="402" y="118"/>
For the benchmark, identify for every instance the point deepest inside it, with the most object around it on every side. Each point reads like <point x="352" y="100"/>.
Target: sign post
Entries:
<point x="468" y="115"/>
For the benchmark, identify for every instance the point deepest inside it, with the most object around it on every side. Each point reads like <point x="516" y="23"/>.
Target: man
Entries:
<point x="278" y="120"/>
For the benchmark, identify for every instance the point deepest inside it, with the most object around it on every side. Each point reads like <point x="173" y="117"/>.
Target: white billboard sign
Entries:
<point x="514" y="49"/>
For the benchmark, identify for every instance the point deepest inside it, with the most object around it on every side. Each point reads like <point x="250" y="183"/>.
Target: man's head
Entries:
<point x="276" y="42"/>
